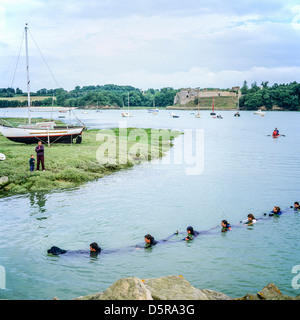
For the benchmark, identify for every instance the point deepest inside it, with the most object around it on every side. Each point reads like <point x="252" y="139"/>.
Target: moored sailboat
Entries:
<point x="127" y="114"/>
<point x="213" y="108"/>
<point x="47" y="132"/>
<point x="198" y="115"/>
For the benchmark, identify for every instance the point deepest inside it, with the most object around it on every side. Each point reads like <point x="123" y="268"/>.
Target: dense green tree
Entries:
<point x="244" y="88"/>
<point x="61" y="96"/>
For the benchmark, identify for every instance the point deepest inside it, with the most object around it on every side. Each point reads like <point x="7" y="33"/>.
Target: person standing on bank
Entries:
<point x="39" y="149"/>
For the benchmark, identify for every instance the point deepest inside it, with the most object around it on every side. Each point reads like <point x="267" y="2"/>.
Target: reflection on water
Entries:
<point x="38" y="200"/>
<point x="38" y="206"/>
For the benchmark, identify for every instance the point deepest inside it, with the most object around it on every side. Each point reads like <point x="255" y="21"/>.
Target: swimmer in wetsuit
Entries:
<point x="275" y="212"/>
<point x="150" y="241"/>
<point x="191" y="233"/>
<point x="225" y="226"/>
<point x="251" y="219"/>
<point x="94" y="250"/>
<point x="296" y="206"/>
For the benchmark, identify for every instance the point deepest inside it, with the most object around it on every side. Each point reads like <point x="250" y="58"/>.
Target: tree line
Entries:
<point x="106" y="95"/>
<point x="284" y="96"/>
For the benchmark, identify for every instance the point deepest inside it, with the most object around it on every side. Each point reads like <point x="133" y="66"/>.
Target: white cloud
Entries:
<point x="206" y="78"/>
<point x="154" y="43"/>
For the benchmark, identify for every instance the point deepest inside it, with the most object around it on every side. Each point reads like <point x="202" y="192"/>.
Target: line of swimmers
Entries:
<point x="190" y="233"/>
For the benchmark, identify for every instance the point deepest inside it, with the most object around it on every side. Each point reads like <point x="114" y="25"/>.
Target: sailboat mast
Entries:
<point x="198" y="102"/>
<point x="27" y="71"/>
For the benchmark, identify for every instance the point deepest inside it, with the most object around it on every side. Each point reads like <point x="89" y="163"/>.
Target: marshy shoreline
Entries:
<point x="102" y="152"/>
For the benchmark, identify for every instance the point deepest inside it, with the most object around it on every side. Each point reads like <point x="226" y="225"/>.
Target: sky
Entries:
<point x="149" y="43"/>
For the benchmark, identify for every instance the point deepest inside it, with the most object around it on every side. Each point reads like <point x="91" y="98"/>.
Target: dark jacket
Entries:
<point x="39" y="150"/>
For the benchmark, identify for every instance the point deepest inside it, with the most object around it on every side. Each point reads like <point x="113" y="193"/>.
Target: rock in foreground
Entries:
<point x="269" y="292"/>
<point x="174" y="288"/>
<point x="164" y="288"/>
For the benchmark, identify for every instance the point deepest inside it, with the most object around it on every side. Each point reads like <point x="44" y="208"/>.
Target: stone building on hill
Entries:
<point x="223" y="98"/>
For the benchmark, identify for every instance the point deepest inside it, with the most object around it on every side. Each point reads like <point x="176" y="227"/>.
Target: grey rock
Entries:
<point x="165" y="288"/>
<point x="124" y="289"/>
<point x="173" y="288"/>
<point x="269" y="292"/>
<point x="3" y="181"/>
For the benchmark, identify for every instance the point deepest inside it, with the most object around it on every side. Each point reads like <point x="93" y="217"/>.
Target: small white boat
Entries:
<point x="84" y="112"/>
<point x="126" y="114"/>
<point x="174" y="115"/>
<point x="2" y="157"/>
<point x="259" y="112"/>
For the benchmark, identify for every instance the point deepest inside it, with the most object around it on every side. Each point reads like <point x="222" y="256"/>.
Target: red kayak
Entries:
<point x="275" y="135"/>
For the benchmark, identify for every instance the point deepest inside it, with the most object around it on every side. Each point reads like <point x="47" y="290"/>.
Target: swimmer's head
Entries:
<point x="190" y="230"/>
<point x="94" y="247"/>
<point x="276" y="209"/>
<point x="224" y="223"/>
<point x="149" y="239"/>
<point x="250" y="217"/>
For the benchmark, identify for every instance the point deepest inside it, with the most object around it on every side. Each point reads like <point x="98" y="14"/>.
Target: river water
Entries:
<point x="242" y="171"/>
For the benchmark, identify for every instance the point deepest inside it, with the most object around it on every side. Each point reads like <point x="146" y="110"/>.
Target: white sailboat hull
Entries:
<point x="30" y="135"/>
<point x="259" y="112"/>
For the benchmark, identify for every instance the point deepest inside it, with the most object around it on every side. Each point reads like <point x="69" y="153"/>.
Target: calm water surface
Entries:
<point x="244" y="171"/>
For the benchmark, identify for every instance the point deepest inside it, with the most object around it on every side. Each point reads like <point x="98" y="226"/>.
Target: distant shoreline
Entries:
<point x="146" y="108"/>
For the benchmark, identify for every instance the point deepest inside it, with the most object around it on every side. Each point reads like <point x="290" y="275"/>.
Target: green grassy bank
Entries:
<point x="101" y="152"/>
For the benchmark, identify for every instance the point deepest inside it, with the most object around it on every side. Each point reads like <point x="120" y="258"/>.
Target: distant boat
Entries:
<point x="174" y="115"/>
<point x="259" y="112"/>
<point x="97" y="110"/>
<point x="219" y="116"/>
<point x="198" y="115"/>
<point x="84" y="112"/>
<point x="213" y="108"/>
<point x="237" y="114"/>
<point x="61" y="116"/>
<point x="152" y="110"/>
<point x="127" y="114"/>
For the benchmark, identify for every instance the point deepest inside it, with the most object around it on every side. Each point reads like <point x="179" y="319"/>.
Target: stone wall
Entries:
<point x="186" y="96"/>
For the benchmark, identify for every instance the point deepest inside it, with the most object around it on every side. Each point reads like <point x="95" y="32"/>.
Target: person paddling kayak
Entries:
<point x="275" y="133"/>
